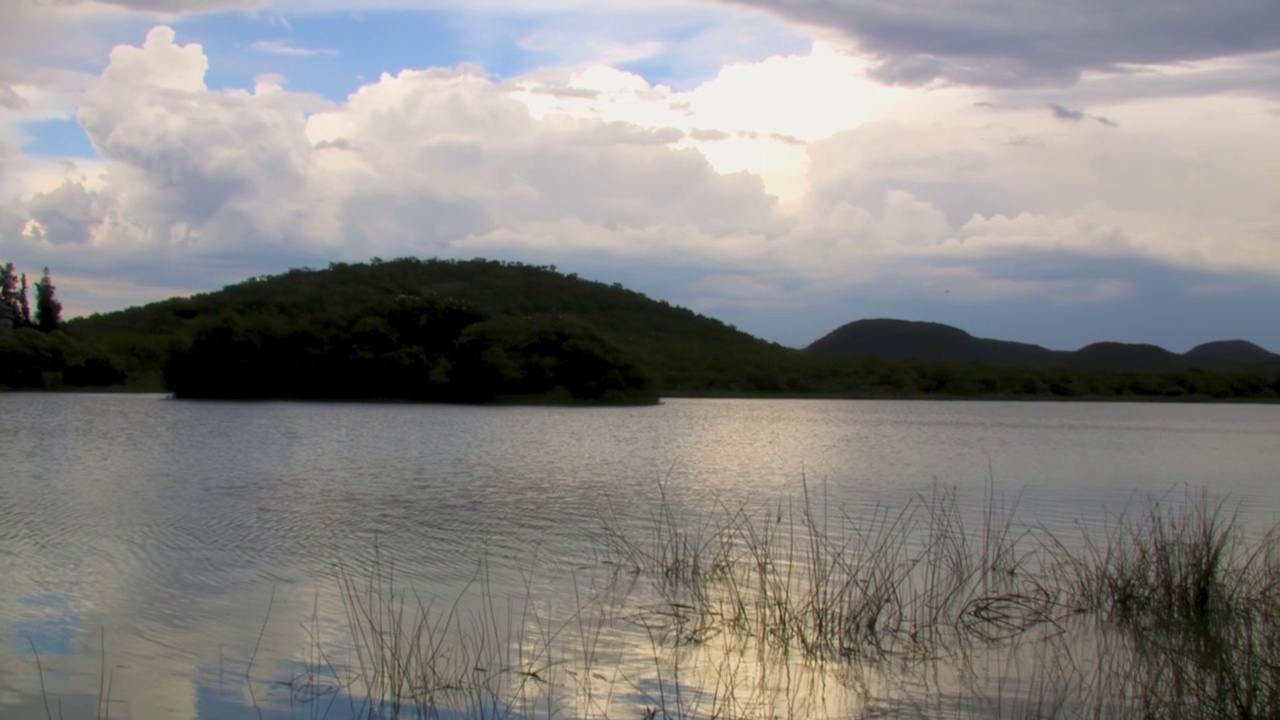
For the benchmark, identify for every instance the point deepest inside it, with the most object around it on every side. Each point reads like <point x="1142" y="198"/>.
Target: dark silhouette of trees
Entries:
<point x="10" y="306"/>
<point x="15" y="308"/>
<point x="24" y="303"/>
<point x="484" y="330"/>
<point x="48" y="308"/>
<point x="405" y="348"/>
<point x="31" y="356"/>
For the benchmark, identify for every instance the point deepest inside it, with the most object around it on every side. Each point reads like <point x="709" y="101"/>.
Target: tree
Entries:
<point x="48" y="309"/>
<point x="9" y="308"/>
<point x="24" y="303"/>
<point x="8" y="280"/>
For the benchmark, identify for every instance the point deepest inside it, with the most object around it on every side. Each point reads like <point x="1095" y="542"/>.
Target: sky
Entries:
<point x="1051" y="171"/>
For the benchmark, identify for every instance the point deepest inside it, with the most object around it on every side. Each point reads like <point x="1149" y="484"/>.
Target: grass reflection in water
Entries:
<point x="925" y="610"/>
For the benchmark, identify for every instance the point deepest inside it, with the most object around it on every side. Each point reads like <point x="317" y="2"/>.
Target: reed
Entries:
<point x="846" y="586"/>
<point x="929" y="609"/>
<point x="1171" y="563"/>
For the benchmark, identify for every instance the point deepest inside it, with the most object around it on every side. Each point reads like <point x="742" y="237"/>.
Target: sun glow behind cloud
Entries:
<point x="753" y="117"/>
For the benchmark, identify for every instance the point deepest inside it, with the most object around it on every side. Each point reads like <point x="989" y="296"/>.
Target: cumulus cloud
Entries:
<point x="407" y="164"/>
<point x="1035" y="41"/>
<point x="64" y="215"/>
<point x="797" y="177"/>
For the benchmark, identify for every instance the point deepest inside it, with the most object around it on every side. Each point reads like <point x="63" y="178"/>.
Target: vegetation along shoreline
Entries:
<point x="485" y="331"/>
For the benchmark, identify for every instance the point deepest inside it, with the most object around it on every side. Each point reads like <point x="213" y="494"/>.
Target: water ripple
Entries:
<point x="176" y="521"/>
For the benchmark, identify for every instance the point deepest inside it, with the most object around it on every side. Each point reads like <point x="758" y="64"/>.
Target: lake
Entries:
<point x="210" y="560"/>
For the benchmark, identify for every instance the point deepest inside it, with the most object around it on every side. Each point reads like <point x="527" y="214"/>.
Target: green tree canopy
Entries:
<point x="48" y="308"/>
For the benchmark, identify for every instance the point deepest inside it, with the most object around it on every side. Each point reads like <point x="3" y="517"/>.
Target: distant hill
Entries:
<point x="908" y="340"/>
<point x="1230" y="353"/>
<point x="1123" y="356"/>
<point x="935" y="342"/>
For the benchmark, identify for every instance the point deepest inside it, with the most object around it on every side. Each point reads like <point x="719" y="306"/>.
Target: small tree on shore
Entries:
<point x="9" y="286"/>
<point x="24" y="303"/>
<point x="48" y="309"/>
<point x="10" y="308"/>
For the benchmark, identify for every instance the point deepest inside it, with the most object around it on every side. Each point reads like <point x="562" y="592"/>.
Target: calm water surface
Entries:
<point x="186" y="535"/>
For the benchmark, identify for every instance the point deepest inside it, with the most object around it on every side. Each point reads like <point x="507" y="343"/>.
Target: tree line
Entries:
<point x="36" y="351"/>
<point x="477" y="330"/>
<point x="15" y="304"/>
<point x="408" y="348"/>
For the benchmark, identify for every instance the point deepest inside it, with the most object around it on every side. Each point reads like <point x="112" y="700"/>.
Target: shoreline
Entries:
<point x="682" y="395"/>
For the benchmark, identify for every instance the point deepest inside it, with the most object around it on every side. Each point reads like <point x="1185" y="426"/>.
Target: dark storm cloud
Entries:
<point x="1036" y="41"/>
<point x="1258" y="75"/>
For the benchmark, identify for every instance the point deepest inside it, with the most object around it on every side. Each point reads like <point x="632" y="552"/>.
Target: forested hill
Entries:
<point x="935" y="342"/>
<point x="677" y="348"/>
<point x="483" y="330"/>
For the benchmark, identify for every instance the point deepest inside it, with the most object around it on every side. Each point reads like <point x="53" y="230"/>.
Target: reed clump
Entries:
<point x="844" y="586"/>
<point x="1168" y="611"/>
<point x="932" y="609"/>
<point x="1187" y="564"/>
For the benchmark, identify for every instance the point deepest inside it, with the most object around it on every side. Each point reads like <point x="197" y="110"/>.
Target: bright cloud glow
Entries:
<point x="754" y="117"/>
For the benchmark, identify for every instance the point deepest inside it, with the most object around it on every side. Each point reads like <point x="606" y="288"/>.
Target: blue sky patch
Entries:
<point x="333" y="54"/>
<point x="57" y="138"/>
<point x="699" y="51"/>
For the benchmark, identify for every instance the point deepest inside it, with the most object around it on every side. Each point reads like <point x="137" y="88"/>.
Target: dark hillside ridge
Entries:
<point x="492" y="331"/>
<point x="935" y="342"/>
<point x="1229" y="352"/>
<point x="679" y="348"/>
<point x="911" y="340"/>
<point x="1123" y="356"/>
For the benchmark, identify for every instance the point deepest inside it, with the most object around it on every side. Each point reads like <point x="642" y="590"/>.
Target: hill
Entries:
<point x="935" y="342"/>
<point x="1230" y="353"/>
<point x="679" y="349"/>
<point x="484" y="330"/>
<point x="1123" y="356"/>
<point x="911" y="340"/>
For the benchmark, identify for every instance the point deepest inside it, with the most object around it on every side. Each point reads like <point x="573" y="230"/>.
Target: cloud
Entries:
<point x="703" y="135"/>
<point x="283" y="47"/>
<point x="428" y="158"/>
<point x="64" y="215"/>
<point x="9" y="97"/>
<point x="566" y="93"/>
<point x="180" y="7"/>
<point x="1035" y="41"/>
<point x="1064" y="113"/>
<point x="795" y="177"/>
<point x="158" y="64"/>
<point x="756" y="117"/>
